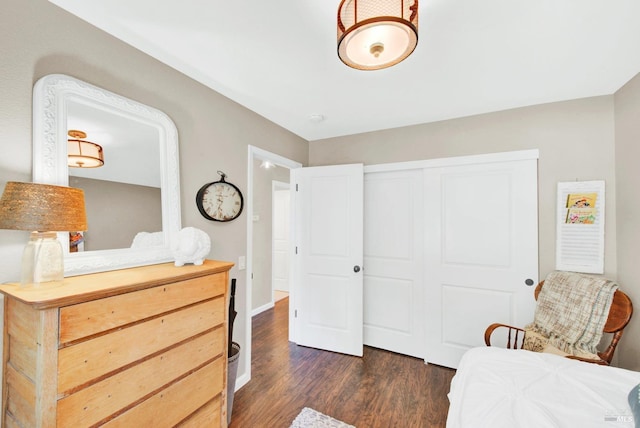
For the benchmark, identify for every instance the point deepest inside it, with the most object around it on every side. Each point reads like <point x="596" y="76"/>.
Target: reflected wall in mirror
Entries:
<point x="123" y="196"/>
<point x="137" y="188"/>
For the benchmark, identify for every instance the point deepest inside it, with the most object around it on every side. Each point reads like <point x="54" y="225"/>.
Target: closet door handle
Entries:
<point x="356" y="268"/>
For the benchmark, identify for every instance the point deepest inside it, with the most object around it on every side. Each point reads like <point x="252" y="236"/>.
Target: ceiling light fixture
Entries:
<point x="376" y="34"/>
<point x="82" y="153"/>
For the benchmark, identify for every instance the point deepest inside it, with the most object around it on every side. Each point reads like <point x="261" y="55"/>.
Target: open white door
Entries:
<point x="280" y="244"/>
<point x="328" y="267"/>
<point x="481" y="253"/>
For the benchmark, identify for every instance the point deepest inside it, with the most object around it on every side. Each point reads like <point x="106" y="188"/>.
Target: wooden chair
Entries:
<point x="619" y="316"/>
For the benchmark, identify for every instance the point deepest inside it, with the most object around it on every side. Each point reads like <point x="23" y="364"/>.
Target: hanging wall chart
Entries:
<point x="580" y="226"/>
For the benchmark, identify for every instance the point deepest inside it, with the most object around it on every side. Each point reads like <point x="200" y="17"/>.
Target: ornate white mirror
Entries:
<point x="136" y="190"/>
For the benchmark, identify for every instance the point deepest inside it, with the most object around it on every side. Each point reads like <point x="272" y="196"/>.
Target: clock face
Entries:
<point x="219" y="201"/>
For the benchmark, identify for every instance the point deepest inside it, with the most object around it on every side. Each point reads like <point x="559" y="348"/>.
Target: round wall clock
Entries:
<point x="220" y="200"/>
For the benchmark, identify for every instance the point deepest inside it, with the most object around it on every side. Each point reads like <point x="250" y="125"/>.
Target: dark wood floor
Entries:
<point x="382" y="389"/>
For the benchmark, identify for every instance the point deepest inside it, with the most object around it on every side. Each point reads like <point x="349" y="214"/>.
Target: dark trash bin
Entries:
<point x="232" y="372"/>
<point x="233" y="353"/>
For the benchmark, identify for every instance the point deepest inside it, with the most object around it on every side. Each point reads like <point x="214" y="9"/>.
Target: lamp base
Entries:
<point x="42" y="259"/>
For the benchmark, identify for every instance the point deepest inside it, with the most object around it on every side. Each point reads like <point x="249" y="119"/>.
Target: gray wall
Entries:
<point x="116" y="212"/>
<point x="38" y="38"/>
<point x="627" y="109"/>
<point x="262" y="251"/>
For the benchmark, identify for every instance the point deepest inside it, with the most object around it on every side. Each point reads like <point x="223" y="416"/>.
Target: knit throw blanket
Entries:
<point x="572" y="311"/>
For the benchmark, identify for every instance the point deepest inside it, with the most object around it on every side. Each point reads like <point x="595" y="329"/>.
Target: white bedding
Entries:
<point x="497" y="387"/>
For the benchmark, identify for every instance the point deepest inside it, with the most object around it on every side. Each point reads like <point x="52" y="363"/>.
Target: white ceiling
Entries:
<point x="278" y="58"/>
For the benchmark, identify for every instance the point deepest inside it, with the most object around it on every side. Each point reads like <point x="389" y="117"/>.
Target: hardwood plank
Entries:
<point x="33" y="355"/>
<point x="89" y="318"/>
<point x="46" y="379"/>
<point x="22" y="356"/>
<point x="87" y="361"/>
<point x="21" y="397"/>
<point x="21" y="326"/>
<point x="22" y="320"/>
<point x="382" y="389"/>
<point x="10" y="422"/>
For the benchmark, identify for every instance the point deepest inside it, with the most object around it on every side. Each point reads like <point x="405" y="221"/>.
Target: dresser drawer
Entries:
<point x="169" y="407"/>
<point x="100" y="401"/>
<point x="207" y="416"/>
<point x="90" y="318"/>
<point x="90" y="360"/>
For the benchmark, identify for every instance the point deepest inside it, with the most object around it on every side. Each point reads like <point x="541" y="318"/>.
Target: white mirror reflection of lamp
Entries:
<point x="82" y="153"/>
<point x="43" y="210"/>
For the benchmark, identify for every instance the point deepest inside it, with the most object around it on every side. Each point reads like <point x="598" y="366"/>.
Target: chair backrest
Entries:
<point x="618" y="318"/>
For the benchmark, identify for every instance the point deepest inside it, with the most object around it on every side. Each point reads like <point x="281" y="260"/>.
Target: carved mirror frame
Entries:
<point x="50" y="96"/>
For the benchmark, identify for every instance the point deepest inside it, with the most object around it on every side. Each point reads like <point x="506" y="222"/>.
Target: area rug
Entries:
<point x="309" y="418"/>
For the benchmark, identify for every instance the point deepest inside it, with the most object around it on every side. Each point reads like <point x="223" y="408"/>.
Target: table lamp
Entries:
<point x="44" y="210"/>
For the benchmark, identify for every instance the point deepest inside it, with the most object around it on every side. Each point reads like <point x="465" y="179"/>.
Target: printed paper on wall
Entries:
<point x="580" y="226"/>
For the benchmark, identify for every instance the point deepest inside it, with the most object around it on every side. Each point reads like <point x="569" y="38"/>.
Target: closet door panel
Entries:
<point x="393" y="286"/>
<point x="481" y="244"/>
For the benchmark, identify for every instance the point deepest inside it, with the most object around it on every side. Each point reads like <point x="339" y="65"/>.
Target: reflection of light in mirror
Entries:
<point x="82" y="153"/>
<point x="123" y="197"/>
<point x="131" y="148"/>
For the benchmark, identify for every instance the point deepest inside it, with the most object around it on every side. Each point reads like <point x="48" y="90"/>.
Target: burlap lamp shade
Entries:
<point x="42" y="209"/>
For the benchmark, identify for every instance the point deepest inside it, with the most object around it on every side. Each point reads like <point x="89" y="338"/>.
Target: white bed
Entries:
<point x="497" y="387"/>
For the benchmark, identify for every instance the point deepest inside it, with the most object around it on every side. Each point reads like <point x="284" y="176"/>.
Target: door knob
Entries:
<point x="356" y="268"/>
<point x="529" y="282"/>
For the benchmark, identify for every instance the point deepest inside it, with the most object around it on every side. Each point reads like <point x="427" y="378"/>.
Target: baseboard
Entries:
<point x="261" y="309"/>
<point x="242" y="381"/>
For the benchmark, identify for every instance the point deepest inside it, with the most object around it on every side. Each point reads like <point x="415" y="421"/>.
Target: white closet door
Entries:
<point x="393" y="261"/>
<point x="328" y="286"/>
<point x="481" y="247"/>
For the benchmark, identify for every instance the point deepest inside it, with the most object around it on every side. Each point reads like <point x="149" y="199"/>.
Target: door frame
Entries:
<point x="255" y="153"/>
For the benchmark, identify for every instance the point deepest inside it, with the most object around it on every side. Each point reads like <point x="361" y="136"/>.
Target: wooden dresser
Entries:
<point x="139" y="347"/>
